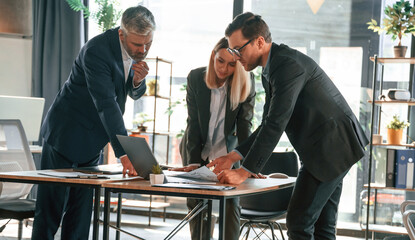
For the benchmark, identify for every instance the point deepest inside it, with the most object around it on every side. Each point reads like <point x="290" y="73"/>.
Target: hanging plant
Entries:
<point x="106" y="16"/>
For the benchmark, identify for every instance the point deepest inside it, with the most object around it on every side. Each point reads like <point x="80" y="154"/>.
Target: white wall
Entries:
<point x="15" y="66"/>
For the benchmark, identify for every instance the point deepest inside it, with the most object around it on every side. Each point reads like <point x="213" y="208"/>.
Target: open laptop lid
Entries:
<point x="139" y="153"/>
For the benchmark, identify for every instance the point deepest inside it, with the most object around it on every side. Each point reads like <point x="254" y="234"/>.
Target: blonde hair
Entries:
<point x="239" y="82"/>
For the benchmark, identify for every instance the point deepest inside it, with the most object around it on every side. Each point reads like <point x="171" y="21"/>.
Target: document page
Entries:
<point x="202" y="173"/>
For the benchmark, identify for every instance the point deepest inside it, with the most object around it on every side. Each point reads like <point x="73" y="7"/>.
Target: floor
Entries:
<point x="136" y="224"/>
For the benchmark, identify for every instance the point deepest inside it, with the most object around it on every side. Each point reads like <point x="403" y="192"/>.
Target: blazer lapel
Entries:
<point x="230" y="114"/>
<point x="204" y="108"/>
<point x="119" y="76"/>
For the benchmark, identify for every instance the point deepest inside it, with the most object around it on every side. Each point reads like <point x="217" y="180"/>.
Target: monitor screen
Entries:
<point x="28" y="110"/>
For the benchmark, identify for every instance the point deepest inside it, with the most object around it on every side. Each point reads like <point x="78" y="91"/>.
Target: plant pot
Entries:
<point x="142" y="128"/>
<point x="377" y="139"/>
<point x="156" y="178"/>
<point x="400" y="51"/>
<point x="394" y="136"/>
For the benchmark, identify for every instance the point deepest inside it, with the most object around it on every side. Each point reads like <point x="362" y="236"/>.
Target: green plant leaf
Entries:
<point x="77" y="6"/>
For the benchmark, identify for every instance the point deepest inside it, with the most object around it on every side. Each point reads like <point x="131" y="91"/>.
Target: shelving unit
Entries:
<point x="157" y="98"/>
<point x="376" y="108"/>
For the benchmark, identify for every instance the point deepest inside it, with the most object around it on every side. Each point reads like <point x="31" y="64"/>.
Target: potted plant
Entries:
<point x="156" y="175"/>
<point x="395" y="130"/>
<point x="399" y="20"/>
<point x="151" y="87"/>
<point x="139" y="120"/>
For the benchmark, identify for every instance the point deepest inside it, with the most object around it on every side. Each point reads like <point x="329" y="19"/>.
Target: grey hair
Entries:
<point x="138" y="20"/>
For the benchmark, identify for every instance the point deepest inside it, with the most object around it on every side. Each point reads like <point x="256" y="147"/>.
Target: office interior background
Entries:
<point x="332" y="32"/>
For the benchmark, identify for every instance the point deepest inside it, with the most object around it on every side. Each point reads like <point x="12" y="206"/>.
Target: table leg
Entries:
<point x="107" y="195"/>
<point x="119" y="213"/>
<point x="209" y="218"/>
<point x="222" y="207"/>
<point x="95" y="224"/>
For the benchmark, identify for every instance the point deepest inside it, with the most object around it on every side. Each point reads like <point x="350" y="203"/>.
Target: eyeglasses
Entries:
<point x="237" y="52"/>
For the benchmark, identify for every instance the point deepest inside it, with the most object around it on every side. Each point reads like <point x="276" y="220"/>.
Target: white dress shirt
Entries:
<point x="216" y="144"/>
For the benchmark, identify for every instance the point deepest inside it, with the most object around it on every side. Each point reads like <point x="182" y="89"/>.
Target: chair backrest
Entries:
<point x="14" y="156"/>
<point x="282" y="162"/>
<point x="407" y="217"/>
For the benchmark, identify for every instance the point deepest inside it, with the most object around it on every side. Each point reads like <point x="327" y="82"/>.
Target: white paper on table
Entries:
<point x="202" y="173"/>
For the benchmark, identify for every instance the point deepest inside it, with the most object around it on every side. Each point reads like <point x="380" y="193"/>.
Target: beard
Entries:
<point x="137" y="56"/>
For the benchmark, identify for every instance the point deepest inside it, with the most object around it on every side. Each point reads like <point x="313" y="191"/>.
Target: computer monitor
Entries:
<point x="28" y="110"/>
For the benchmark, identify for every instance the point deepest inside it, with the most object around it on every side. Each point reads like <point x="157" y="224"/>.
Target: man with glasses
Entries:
<point x="302" y="101"/>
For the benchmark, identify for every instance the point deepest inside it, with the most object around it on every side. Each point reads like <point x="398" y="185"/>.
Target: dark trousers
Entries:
<point x="312" y="212"/>
<point x="233" y="213"/>
<point x="54" y="202"/>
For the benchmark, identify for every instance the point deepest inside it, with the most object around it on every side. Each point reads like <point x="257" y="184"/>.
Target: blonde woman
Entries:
<point x="220" y="101"/>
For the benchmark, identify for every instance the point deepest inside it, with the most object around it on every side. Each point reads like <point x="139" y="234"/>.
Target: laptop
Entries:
<point x="102" y="169"/>
<point x="139" y="153"/>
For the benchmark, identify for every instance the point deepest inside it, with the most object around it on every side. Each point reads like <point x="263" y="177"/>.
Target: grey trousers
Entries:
<point x="233" y="213"/>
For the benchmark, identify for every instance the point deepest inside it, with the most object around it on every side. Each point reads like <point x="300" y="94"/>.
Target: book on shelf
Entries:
<point x="394" y="167"/>
<point x="390" y="168"/>
<point x="404" y="168"/>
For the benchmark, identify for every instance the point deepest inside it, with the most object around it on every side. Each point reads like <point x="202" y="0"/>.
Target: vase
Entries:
<point x="156" y="178"/>
<point x="400" y="51"/>
<point x="394" y="136"/>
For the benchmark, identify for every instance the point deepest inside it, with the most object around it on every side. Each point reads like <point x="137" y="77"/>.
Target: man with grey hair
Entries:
<point x="87" y="114"/>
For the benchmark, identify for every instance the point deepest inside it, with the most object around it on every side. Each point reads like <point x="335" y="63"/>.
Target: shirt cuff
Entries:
<point x="122" y="156"/>
<point x="138" y="84"/>
<point x="242" y="156"/>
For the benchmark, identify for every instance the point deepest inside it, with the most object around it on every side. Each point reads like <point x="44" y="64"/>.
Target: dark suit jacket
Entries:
<point x="302" y="101"/>
<point x="237" y="122"/>
<point x="87" y="112"/>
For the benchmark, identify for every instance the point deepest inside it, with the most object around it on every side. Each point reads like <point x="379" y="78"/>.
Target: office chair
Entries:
<point x="406" y="216"/>
<point x="263" y="210"/>
<point x="15" y="156"/>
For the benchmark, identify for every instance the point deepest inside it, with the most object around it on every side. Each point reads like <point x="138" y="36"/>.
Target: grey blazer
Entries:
<point x="237" y="122"/>
<point x="302" y="101"/>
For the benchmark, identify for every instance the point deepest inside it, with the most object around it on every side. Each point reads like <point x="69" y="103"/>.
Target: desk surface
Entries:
<point x="250" y="186"/>
<point x="35" y="177"/>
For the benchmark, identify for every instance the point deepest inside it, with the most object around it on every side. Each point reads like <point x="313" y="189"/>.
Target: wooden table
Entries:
<point x="33" y="177"/>
<point x="249" y="187"/>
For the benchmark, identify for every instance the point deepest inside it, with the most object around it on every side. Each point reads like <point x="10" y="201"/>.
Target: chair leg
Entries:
<point x="280" y="228"/>
<point x="20" y="230"/>
<point x="271" y="227"/>
<point x="242" y="227"/>
<point x="248" y="231"/>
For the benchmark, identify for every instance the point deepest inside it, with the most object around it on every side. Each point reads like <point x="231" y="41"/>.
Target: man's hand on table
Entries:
<point x="127" y="167"/>
<point x="224" y="163"/>
<point x="233" y="176"/>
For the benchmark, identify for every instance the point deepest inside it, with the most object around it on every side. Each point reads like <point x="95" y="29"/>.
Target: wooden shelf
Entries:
<point x="380" y="102"/>
<point x="394" y="60"/>
<point x="381" y="187"/>
<point x="386" y="229"/>
<point x="394" y="145"/>
<point x="158" y="96"/>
